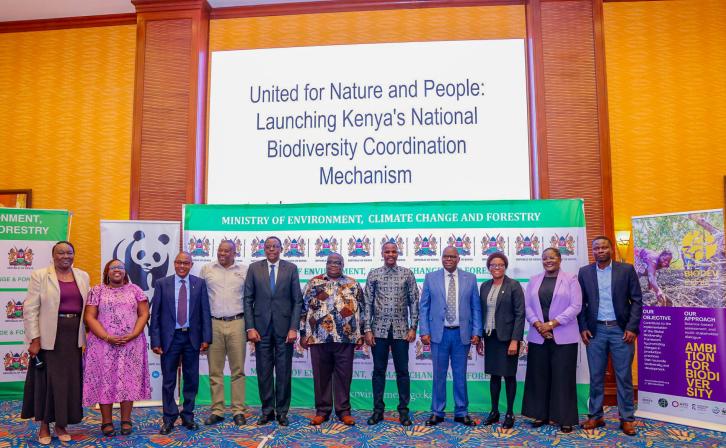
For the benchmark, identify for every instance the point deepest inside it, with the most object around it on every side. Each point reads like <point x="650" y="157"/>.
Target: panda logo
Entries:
<point x="146" y="260"/>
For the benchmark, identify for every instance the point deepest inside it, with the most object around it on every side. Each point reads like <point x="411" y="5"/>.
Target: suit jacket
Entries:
<point x="40" y="308"/>
<point x="509" y="310"/>
<point x="566" y="305"/>
<point x="626" y="293"/>
<point x="432" y="314"/>
<point x="163" y="313"/>
<point x="282" y="308"/>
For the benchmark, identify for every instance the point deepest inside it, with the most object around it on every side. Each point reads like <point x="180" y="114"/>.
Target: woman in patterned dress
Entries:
<point x="117" y="369"/>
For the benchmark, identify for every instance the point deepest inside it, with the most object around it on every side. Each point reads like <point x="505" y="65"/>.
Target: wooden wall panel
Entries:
<point x="164" y="138"/>
<point x="574" y="148"/>
<point x="170" y="107"/>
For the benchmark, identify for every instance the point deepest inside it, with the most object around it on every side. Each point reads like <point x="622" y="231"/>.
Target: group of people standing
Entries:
<point x="231" y="304"/>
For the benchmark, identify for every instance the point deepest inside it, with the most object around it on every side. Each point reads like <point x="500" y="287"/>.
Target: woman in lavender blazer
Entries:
<point x="552" y="302"/>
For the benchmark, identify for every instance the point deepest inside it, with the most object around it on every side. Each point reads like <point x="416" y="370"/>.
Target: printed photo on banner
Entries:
<point x="680" y="259"/>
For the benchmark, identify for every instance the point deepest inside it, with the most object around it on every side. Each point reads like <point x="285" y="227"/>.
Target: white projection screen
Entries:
<point x="415" y="121"/>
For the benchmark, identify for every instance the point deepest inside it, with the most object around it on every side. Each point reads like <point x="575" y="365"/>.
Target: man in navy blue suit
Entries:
<point x="612" y="305"/>
<point x="450" y="320"/>
<point x="181" y="327"/>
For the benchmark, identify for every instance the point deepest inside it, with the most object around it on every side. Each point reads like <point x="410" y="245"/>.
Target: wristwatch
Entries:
<point x="549" y="322"/>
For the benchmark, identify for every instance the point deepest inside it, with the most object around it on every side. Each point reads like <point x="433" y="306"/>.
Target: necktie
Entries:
<point x="272" y="278"/>
<point x="451" y="300"/>
<point x="181" y="310"/>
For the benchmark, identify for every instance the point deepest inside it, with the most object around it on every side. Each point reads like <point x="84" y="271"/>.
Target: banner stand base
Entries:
<point x="681" y="420"/>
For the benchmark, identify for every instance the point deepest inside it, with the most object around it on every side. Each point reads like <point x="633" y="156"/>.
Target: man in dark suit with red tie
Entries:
<point x="181" y="327"/>
<point x="273" y="301"/>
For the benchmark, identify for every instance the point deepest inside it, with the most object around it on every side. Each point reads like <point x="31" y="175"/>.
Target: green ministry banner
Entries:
<point x="26" y="239"/>
<point x="310" y="232"/>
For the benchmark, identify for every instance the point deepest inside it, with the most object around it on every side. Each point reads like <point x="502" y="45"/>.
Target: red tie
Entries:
<point x="181" y="311"/>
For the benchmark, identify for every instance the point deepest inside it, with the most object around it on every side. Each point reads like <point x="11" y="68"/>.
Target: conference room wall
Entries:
<point x="360" y="27"/>
<point x="66" y="101"/>
<point x="666" y="77"/>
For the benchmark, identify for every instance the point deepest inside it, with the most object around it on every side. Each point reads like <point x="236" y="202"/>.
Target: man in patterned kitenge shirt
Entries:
<point x="330" y="326"/>
<point x="390" y="321"/>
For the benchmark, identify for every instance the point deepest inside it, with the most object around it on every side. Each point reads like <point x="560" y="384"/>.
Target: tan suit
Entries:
<point x="40" y="308"/>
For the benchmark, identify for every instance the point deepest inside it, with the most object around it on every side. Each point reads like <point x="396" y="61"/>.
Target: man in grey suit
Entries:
<point x="390" y="321"/>
<point x="272" y="303"/>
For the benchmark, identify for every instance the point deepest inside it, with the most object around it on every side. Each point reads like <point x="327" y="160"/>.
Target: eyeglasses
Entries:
<point x="450" y="257"/>
<point x="182" y="263"/>
<point x="117" y="268"/>
<point x="335" y="262"/>
<point x="496" y="266"/>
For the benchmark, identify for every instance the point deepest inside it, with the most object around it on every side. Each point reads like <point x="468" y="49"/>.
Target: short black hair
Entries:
<point x="602" y="237"/>
<point x="273" y="237"/>
<point x="499" y="255"/>
<point x="52" y="251"/>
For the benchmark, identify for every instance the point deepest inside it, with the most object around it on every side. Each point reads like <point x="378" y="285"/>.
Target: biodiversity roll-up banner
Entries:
<point x="680" y="261"/>
<point x="147" y="249"/>
<point x="310" y="232"/>
<point x="26" y="238"/>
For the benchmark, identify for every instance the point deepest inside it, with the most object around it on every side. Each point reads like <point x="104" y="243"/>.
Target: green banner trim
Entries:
<point x="33" y="224"/>
<point x="361" y="396"/>
<point x="11" y="342"/>
<point x="13" y="289"/>
<point x="385" y="215"/>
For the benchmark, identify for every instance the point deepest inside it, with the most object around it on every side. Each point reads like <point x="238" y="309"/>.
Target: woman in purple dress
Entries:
<point x="117" y="369"/>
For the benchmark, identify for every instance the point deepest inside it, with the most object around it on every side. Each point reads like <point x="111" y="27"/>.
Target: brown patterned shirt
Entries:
<point x="332" y="310"/>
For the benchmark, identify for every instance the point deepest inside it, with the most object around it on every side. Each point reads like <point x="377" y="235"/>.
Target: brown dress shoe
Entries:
<point x="318" y="420"/>
<point x="592" y="423"/>
<point x="628" y="428"/>
<point x="347" y="420"/>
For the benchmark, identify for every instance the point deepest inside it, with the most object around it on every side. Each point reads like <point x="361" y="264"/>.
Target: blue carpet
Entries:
<point x="15" y="432"/>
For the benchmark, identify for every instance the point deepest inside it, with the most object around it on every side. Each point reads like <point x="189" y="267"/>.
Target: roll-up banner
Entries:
<point x="147" y="249"/>
<point x="680" y="261"/>
<point x="27" y="237"/>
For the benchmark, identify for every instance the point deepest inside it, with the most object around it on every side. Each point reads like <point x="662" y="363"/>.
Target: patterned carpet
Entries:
<point x="15" y="432"/>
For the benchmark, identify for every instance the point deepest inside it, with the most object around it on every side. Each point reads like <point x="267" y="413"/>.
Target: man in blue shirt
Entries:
<point x="612" y="305"/>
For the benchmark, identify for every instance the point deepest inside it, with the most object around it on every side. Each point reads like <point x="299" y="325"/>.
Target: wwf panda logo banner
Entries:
<point x="147" y="249"/>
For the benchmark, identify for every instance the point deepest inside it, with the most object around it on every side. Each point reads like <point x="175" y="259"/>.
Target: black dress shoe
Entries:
<point x="465" y="420"/>
<point x="405" y="419"/>
<point x="566" y="429"/>
<point x="239" y="420"/>
<point x="213" y="420"/>
<point x="434" y="420"/>
<point x="282" y="420"/>
<point x="492" y="418"/>
<point x="265" y="419"/>
<point x="375" y="418"/>
<point x="191" y="425"/>
<point x="538" y="423"/>
<point x="508" y="421"/>
<point x="166" y="428"/>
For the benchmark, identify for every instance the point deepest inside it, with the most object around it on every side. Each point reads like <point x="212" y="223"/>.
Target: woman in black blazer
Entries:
<point x="502" y="306"/>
